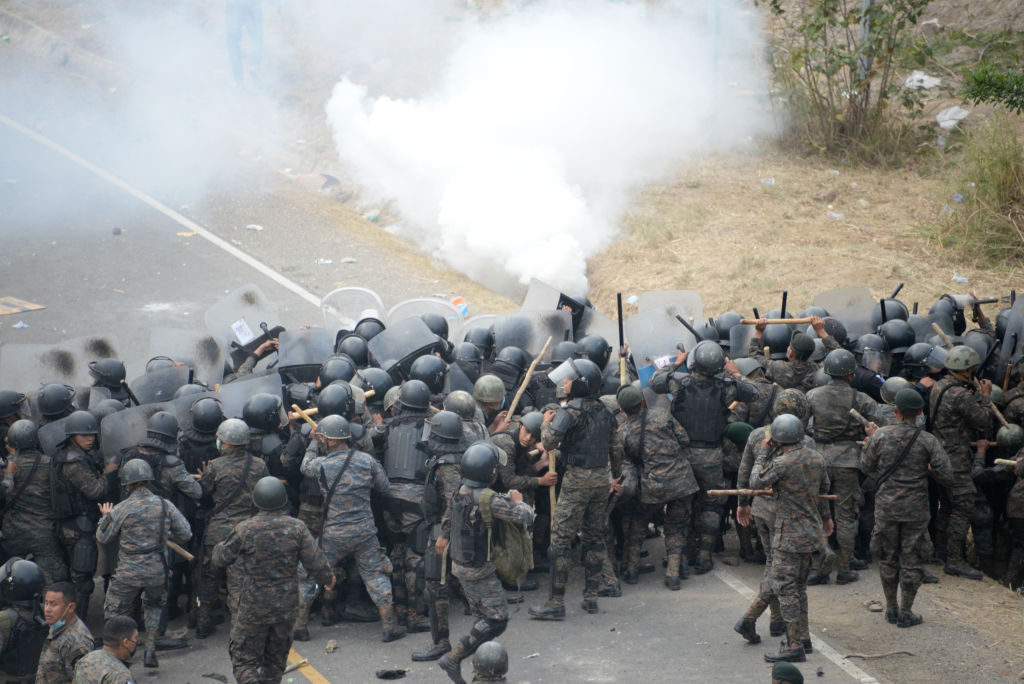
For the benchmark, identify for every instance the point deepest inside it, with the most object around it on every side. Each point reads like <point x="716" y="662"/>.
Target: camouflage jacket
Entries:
<point x="102" y="667"/>
<point x="903" y="496"/>
<point x="61" y="651"/>
<point x="171" y="475"/>
<point x="32" y="512"/>
<point x="517" y="472"/>
<point x="266" y="551"/>
<point x="85" y="476"/>
<point x="757" y="412"/>
<point x="143" y="521"/>
<point x="1015" y="499"/>
<point x="231" y="503"/>
<point x="349" y="514"/>
<point x="958" y="416"/>
<point x="658" y="444"/>
<point x="1013" y="405"/>
<point x="796" y="476"/>
<point x="835" y="431"/>
<point x="790" y="373"/>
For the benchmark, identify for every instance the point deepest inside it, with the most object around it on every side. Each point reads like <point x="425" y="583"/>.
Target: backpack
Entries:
<point x="509" y="545"/>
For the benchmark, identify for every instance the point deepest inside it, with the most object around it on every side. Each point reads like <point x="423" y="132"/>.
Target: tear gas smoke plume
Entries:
<point x="521" y="160"/>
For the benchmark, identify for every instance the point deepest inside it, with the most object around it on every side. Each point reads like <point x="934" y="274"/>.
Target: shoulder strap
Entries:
<point x="334" y="486"/>
<point x="485" y="513"/>
<point x="21" y="486"/>
<point x="899" y="460"/>
<point x="643" y="437"/>
<point x="238" y="487"/>
<point x="934" y="411"/>
<point x="162" y="544"/>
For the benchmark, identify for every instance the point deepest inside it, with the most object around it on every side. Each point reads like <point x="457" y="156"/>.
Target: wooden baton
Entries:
<point x="860" y="419"/>
<point x="776" y="321"/>
<point x="304" y="416"/>
<point x="526" y="381"/>
<point x="758" y="492"/>
<point x="180" y="551"/>
<point x="942" y="334"/>
<point x="1005" y="462"/>
<point x="995" y="409"/>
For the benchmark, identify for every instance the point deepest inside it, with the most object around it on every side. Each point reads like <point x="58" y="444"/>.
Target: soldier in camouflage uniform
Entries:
<point x="228" y="481"/>
<point x="700" y="403"/>
<point x="836" y="432"/>
<point x="29" y="523"/>
<point x="463" y="525"/>
<point x="760" y="512"/>
<point x="68" y="640"/>
<point x="904" y="455"/>
<point x="958" y="415"/>
<point x="756" y="411"/>
<point x="160" y="450"/>
<point x="143" y="522"/>
<point x="584" y="431"/>
<point x="797" y="476"/>
<point x="266" y="550"/>
<point x="797" y="370"/>
<point x="109" y="665"/>
<point x="347" y="478"/>
<point x="658" y="444"/>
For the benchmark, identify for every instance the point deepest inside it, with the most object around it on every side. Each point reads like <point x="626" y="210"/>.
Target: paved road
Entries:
<point x="101" y="260"/>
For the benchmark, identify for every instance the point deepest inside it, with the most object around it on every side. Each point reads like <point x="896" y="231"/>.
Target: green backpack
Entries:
<point x="509" y="545"/>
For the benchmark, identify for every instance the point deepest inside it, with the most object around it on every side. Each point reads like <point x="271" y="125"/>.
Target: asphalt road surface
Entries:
<point x="101" y="259"/>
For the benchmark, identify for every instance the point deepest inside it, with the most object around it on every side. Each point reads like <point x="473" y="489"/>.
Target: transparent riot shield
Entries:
<point x="160" y="384"/>
<point x="125" y="429"/>
<point x="26" y="367"/>
<point x="300" y="353"/>
<point x="200" y="351"/>
<point x="414" y="308"/>
<point x="400" y="344"/>
<point x="652" y="336"/>
<point x="687" y="303"/>
<point x="51" y="436"/>
<point x="233" y="395"/>
<point x="346" y="306"/>
<point x="238" y="315"/>
<point x="740" y="337"/>
<point x="1013" y="339"/>
<point x="835" y="301"/>
<point x="529" y="330"/>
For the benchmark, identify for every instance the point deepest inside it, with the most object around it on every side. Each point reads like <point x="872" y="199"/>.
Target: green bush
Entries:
<point x="987" y="83"/>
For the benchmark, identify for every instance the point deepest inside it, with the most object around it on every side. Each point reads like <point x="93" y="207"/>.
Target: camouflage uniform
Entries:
<point x="790" y="373"/>
<point x="143" y="522"/>
<point x="169" y="472"/>
<point x="836" y="433"/>
<point x="1013" y="405"/>
<point x="757" y="411"/>
<point x="1015" y="515"/>
<point x="519" y="472"/>
<point x="102" y="667"/>
<point x="958" y="416"/>
<point x="655" y="441"/>
<point x="266" y="550"/>
<point x="61" y="651"/>
<point x="582" y="504"/>
<point x="900" y="538"/>
<point x="797" y="476"/>
<point x="29" y="524"/>
<point x="348" y="528"/>
<point x="223" y="482"/>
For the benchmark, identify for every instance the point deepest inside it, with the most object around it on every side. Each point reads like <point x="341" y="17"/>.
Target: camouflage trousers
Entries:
<point x="582" y="507"/>
<point x="44" y="548"/>
<point x="901" y="548"/>
<point x="120" y="600"/>
<point x="766" y="597"/>
<point x="846" y="487"/>
<point x="312" y="516"/>
<point x="956" y="505"/>
<point x="209" y="581"/>
<point x="372" y="563"/>
<point x="676" y="526"/>
<point x="259" y="653"/>
<point x="788" y="580"/>
<point x="707" y="510"/>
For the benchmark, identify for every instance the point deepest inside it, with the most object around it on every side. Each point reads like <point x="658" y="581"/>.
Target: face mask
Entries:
<point x="60" y="623"/>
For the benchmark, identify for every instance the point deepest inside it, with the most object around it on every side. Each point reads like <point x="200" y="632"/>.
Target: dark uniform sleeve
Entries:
<point x="226" y="552"/>
<point x="85" y="480"/>
<point x="313" y="559"/>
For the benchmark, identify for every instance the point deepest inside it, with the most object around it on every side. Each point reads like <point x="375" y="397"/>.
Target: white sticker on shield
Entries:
<point x="242" y="331"/>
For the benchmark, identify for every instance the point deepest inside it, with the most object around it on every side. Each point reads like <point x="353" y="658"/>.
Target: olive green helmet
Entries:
<point x="961" y="358"/>
<point x="462" y="403"/>
<point x="233" y="431"/>
<point x="490" y="662"/>
<point x="786" y="429"/>
<point x="791" y="401"/>
<point x="1010" y="437"/>
<point x="891" y="387"/>
<point x="533" y="421"/>
<point x="489" y="389"/>
<point x="269" y="494"/>
<point x="630" y="398"/>
<point x="334" y="427"/>
<point x="391" y="397"/>
<point x="135" y="470"/>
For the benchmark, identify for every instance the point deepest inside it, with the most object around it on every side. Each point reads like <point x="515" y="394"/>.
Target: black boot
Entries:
<point x="453" y="670"/>
<point x="961" y="568"/>
<point x="150" y="659"/>
<point x="791" y="650"/>
<point x="745" y="628"/>
<point x="433" y="653"/>
<point x="777" y="627"/>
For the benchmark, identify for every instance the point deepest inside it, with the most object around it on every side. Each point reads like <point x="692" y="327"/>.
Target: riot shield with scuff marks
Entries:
<point x="401" y="343"/>
<point x="234" y="394"/>
<point x="529" y="330"/>
<point x="26" y="367"/>
<point x="300" y="353"/>
<point x="201" y="351"/>
<point x="414" y="308"/>
<point x="160" y="384"/>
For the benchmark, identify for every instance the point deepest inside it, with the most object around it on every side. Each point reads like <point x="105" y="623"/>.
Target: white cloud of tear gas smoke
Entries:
<point x="521" y="161"/>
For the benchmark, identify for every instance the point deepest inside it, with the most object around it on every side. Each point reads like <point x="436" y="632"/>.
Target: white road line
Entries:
<point x="166" y="211"/>
<point x="820" y="646"/>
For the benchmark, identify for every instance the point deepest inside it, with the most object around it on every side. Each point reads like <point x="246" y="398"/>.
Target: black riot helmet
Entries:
<point x="895" y="310"/>
<point x="437" y="324"/>
<point x="378" y="380"/>
<point x="21" y="582"/>
<point x="707" y="358"/>
<point x="467" y="352"/>
<point x="162" y="425"/>
<point x="10" y="403"/>
<point x="334" y="427"/>
<point x="479" y="465"/>
<point x="336" y="399"/>
<point x="533" y="422"/>
<point x="873" y="353"/>
<point x="269" y="494"/>
<point x="368" y="328"/>
<point x="207" y="415"/>
<point x="482" y="339"/>
<point x="725" y="323"/>
<point x="708" y="331"/>
<point x="354" y="347"/>
<point x="588" y="381"/>
<point x="337" y="367"/>
<point x="414" y="394"/>
<point x="432" y="370"/>
<point x="81" y="423"/>
<point x="818" y="311"/>
<point x="898" y="335"/>
<point x="262" y="413"/>
<point x="54" y="400"/>
<point x="446" y="426"/>
<point x="870" y="342"/>
<point x="186" y="390"/>
<point x="562" y="351"/>
<point x="513" y="357"/>
<point x="914" y="360"/>
<point x="1002" y="320"/>
<point x="839" y="363"/>
<point x="107" y="372"/>
<point x="776" y="337"/>
<point x="595" y="348"/>
<point x="23" y="435"/>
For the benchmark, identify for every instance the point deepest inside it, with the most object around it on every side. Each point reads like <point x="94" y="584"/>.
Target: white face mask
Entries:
<point x="60" y="623"/>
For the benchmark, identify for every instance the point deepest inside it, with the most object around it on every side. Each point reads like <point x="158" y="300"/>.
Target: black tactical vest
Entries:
<point x="699" y="406"/>
<point x="588" y="443"/>
<point x="403" y="459"/>
<point x="469" y="536"/>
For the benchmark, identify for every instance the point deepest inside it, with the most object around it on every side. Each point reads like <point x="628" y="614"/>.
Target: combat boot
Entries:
<point x="590" y="606"/>
<point x="413" y="621"/>
<point x="434" y="652"/>
<point x="452" y="669"/>
<point x="551" y="610"/>
<point x="777" y="627"/>
<point x="959" y="567"/>
<point x="829" y="561"/>
<point x="847" y="577"/>
<point x="908" y="618"/>
<point x="815" y="578"/>
<point x="150" y="658"/>
<point x="672" y="572"/>
<point x="705" y="563"/>
<point x="791" y="650"/>
<point x="390" y="629"/>
<point x="611" y="589"/>
<point x="745" y="628"/>
<point x="890" y="588"/>
<point x="631" y="569"/>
